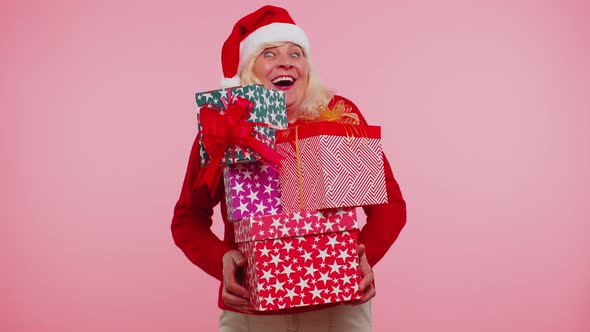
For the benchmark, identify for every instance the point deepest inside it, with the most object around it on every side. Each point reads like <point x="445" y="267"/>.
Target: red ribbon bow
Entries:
<point x="223" y="130"/>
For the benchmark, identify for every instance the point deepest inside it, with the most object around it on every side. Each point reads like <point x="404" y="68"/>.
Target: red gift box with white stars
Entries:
<point x="301" y="258"/>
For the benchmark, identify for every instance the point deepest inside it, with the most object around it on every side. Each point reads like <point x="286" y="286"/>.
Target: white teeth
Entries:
<point x="282" y="78"/>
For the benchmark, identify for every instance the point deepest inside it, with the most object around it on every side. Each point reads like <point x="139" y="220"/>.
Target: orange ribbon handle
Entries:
<point x="299" y="170"/>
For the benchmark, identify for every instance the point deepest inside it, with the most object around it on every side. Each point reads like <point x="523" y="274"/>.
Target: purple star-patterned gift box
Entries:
<point x="251" y="189"/>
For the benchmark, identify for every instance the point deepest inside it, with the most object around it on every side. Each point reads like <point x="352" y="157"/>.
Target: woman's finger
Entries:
<point x="367" y="280"/>
<point x="367" y="295"/>
<point x="233" y="300"/>
<point x="232" y="286"/>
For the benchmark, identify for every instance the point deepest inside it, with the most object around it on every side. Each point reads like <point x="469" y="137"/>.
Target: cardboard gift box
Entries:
<point x="330" y="165"/>
<point x="251" y="189"/>
<point x="267" y="113"/>
<point x="301" y="258"/>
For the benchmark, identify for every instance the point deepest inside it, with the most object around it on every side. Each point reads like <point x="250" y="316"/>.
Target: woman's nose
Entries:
<point x="285" y="61"/>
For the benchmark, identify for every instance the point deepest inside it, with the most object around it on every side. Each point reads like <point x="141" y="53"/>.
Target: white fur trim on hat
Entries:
<point x="274" y="32"/>
<point x="230" y="82"/>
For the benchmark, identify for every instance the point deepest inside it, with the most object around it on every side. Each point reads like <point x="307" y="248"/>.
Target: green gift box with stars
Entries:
<point x="268" y="108"/>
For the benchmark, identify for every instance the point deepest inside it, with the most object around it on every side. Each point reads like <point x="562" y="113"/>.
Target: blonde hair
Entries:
<point x="316" y="92"/>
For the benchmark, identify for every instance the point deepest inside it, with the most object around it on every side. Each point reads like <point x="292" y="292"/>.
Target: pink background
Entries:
<point x="485" y="112"/>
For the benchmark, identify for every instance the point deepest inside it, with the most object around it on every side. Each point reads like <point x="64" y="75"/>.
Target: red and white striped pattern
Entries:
<point x="337" y="171"/>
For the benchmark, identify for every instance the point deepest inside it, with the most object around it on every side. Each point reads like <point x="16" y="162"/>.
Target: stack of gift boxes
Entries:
<point x="295" y="222"/>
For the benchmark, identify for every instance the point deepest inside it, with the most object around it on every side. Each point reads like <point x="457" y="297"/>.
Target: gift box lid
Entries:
<point x="295" y="224"/>
<point x="269" y="104"/>
<point x="327" y="128"/>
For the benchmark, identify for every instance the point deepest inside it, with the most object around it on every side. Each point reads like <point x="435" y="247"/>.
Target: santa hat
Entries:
<point x="266" y="25"/>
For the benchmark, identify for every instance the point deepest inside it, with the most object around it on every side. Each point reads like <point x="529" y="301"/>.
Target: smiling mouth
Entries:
<point x="283" y="82"/>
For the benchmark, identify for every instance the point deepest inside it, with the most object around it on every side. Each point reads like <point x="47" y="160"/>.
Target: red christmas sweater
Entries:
<point x="191" y="223"/>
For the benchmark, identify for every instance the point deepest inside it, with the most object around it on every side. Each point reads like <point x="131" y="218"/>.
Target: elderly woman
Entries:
<point x="266" y="47"/>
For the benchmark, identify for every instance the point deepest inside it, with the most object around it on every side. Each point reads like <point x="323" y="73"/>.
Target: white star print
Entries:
<point x="288" y="246"/>
<point x="253" y="196"/>
<point x="260" y="207"/>
<point x="267" y="275"/>
<point x="270" y="300"/>
<point x="278" y="286"/>
<point x="251" y="95"/>
<point x="297" y="216"/>
<point x="291" y="293"/>
<point x="266" y="100"/>
<point x="323" y="254"/>
<point x="247" y="174"/>
<point x="306" y="256"/>
<point x="288" y="270"/>
<point x="324" y="277"/>
<point x="346" y="279"/>
<point x="276" y="259"/>
<point x="276" y="222"/>
<point x="207" y="95"/>
<point x="328" y="224"/>
<point x="268" y="189"/>
<point x="336" y="290"/>
<point x="316" y="292"/>
<point x="307" y="227"/>
<point x="238" y="187"/>
<point x="285" y="230"/>
<point x="319" y="214"/>
<point x="335" y="267"/>
<point x="310" y="270"/>
<point x="344" y="254"/>
<point x="332" y="241"/>
<point x="263" y="168"/>
<point x="264" y="251"/>
<point x="303" y="284"/>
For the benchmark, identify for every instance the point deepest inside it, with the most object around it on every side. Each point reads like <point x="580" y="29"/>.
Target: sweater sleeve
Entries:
<point x="191" y="223"/>
<point x="384" y="221"/>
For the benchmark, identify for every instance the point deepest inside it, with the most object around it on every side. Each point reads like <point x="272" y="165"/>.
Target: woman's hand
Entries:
<point x="366" y="285"/>
<point x="233" y="293"/>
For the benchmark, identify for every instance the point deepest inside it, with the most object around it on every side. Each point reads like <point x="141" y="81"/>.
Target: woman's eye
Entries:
<point x="295" y="55"/>
<point x="268" y="54"/>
